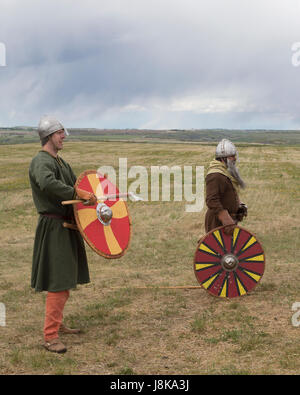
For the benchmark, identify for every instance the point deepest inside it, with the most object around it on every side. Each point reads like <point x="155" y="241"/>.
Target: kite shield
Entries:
<point x="106" y="225"/>
<point x="229" y="266"/>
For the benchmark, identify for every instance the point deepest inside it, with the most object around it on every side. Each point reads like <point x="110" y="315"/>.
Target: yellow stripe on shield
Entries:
<point x="111" y="240"/>
<point x="218" y="236"/>
<point x="86" y="216"/>
<point x="119" y="209"/>
<point x="95" y="184"/>
<point x="242" y="290"/>
<point x="223" y="292"/>
<point x="207" y="283"/>
<point x="249" y="244"/>
<point x="203" y="247"/>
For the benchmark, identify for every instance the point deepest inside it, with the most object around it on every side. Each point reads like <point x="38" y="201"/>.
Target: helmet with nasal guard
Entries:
<point x="48" y="125"/>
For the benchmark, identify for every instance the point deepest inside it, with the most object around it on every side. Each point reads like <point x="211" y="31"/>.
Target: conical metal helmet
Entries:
<point x="225" y="148"/>
<point x="48" y="125"/>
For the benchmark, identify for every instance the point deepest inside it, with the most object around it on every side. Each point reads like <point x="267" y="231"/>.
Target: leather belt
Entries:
<point x="57" y="216"/>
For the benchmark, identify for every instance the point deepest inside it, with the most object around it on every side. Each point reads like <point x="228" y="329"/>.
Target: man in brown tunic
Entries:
<point x="222" y="185"/>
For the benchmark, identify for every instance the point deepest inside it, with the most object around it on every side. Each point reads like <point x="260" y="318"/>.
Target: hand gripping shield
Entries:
<point x="105" y="226"/>
<point x="229" y="266"/>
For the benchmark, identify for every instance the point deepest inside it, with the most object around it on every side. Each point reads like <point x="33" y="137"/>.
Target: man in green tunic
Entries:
<point x="59" y="258"/>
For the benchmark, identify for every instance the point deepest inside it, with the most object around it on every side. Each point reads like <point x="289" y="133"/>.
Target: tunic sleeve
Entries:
<point x="44" y="174"/>
<point x="73" y="176"/>
<point x="214" y="191"/>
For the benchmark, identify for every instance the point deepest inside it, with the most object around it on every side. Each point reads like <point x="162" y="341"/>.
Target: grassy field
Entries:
<point x="129" y="330"/>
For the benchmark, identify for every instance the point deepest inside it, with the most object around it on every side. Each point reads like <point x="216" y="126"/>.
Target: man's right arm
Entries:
<point x="214" y="190"/>
<point x="43" y="174"/>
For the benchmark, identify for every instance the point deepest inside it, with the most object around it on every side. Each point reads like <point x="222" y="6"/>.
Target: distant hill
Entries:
<point x="27" y="134"/>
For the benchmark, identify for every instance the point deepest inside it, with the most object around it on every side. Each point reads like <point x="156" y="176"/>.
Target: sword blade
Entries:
<point x="133" y="196"/>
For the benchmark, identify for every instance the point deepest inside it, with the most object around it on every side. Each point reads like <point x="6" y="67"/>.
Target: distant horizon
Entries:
<point x="154" y="129"/>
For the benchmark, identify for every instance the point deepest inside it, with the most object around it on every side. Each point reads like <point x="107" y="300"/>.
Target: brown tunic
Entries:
<point x="220" y="195"/>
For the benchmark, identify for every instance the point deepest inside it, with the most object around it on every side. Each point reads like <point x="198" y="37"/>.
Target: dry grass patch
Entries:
<point x="131" y="325"/>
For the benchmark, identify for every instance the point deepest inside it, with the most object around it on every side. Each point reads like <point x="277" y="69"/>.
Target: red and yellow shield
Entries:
<point x="108" y="239"/>
<point x="229" y="266"/>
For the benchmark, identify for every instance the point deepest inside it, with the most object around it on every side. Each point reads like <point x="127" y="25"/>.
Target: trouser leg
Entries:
<point x="55" y="303"/>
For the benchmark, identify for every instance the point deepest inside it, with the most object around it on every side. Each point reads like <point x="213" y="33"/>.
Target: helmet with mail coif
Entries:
<point x="225" y="148"/>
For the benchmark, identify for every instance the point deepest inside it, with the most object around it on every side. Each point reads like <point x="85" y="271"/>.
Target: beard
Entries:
<point x="235" y="173"/>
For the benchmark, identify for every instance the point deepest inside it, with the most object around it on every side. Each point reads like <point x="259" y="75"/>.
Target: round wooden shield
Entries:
<point x="229" y="266"/>
<point x="109" y="239"/>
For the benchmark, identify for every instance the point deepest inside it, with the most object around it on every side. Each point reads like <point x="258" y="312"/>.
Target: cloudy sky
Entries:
<point x="151" y="63"/>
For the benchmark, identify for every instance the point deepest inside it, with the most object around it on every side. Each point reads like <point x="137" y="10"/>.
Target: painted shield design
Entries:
<point x="106" y="226"/>
<point x="229" y="266"/>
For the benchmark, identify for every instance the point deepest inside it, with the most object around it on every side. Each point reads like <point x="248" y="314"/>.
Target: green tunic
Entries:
<point x="59" y="258"/>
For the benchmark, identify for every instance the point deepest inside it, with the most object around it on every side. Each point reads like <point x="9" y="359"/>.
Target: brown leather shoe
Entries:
<point x="68" y="331"/>
<point x="55" y="345"/>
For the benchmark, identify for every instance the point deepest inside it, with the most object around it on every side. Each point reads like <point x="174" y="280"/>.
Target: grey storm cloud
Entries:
<point x="142" y="63"/>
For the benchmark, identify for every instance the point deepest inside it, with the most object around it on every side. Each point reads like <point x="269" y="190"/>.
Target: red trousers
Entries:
<point x="55" y="303"/>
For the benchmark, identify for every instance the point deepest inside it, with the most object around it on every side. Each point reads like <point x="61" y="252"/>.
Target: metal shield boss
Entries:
<point x="229" y="266"/>
<point x="105" y="226"/>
